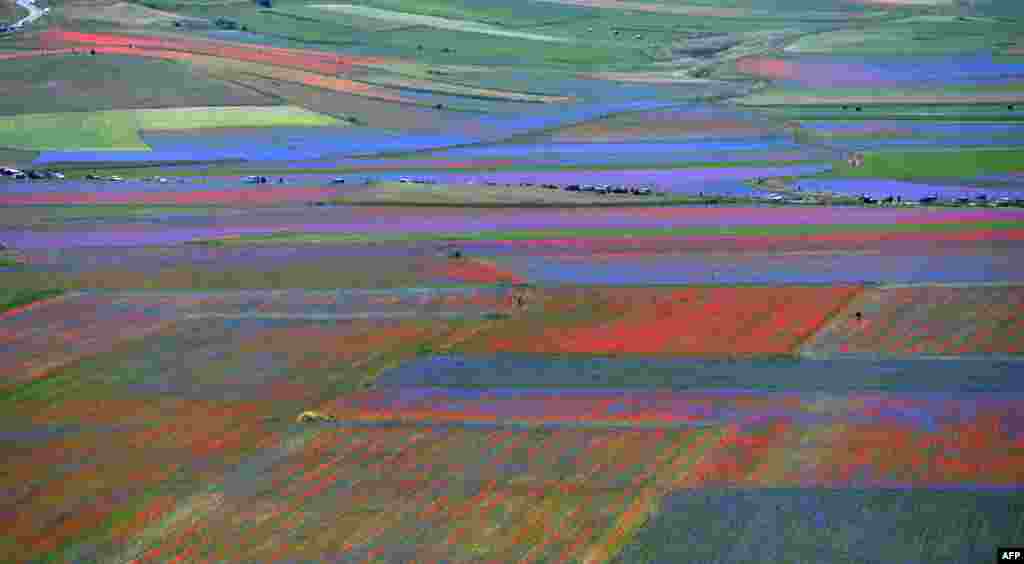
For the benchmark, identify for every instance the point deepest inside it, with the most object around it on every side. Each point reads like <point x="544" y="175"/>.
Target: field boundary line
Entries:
<point x="829" y="318"/>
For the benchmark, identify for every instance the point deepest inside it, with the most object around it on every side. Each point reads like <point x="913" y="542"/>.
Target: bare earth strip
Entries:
<point x="436" y="22"/>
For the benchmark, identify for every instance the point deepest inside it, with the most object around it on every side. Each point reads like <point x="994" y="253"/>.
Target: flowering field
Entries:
<point x="697" y="321"/>
<point x="940" y="320"/>
<point x="504" y="457"/>
<point x="39" y="338"/>
<point x="465" y="478"/>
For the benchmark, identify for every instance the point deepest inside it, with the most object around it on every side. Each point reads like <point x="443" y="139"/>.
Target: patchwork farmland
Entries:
<point x="549" y="281"/>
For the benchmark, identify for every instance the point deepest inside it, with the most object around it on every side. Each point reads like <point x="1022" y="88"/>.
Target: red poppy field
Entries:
<point x="695" y="321"/>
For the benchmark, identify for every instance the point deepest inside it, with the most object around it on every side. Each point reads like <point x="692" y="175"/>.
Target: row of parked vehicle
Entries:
<point x="32" y="174"/>
<point x="594" y="188"/>
<point x="980" y="199"/>
<point x="113" y="178"/>
<point x="260" y="180"/>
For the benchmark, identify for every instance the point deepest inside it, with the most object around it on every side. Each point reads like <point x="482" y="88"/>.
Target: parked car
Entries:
<point x="9" y="171"/>
<point x="36" y="175"/>
<point x="587" y="188"/>
<point x="962" y="200"/>
<point x="19" y="176"/>
<point x="619" y="190"/>
<point x="93" y="177"/>
<point x="338" y="181"/>
<point x="573" y="188"/>
<point x="115" y="179"/>
<point x="600" y="190"/>
<point x="251" y="179"/>
<point x="929" y="199"/>
<point x="643" y="191"/>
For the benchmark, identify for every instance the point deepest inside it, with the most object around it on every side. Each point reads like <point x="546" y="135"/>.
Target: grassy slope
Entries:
<point x="910" y="165"/>
<point x="16" y="158"/>
<point x="77" y="130"/>
<point x="11" y="298"/>
<point x="211" y="117"/>
<point x="118" y="129"/>
<point x="77" y="83"/>
<point x="919" y="35"/>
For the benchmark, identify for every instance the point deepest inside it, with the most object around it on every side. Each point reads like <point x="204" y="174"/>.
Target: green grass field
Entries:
<point x="950" y="163"/>
<point x="214" y="117"/>
<point x="11" y="298"/>
<point x="119" y="129"/>
<point x="16" y="157"/>
<point x="916" y="35"/>
<point x="74" y="130"/>
<point x="79" y="83"/>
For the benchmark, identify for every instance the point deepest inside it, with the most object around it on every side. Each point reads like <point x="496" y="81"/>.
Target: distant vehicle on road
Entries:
<point x="115" y="179"/>
<point x="338" y="181"/>
<point x="929" y="199"/>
